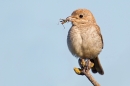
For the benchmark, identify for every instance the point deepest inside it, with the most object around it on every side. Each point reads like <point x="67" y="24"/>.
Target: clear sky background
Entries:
<point x="33" y="48"/>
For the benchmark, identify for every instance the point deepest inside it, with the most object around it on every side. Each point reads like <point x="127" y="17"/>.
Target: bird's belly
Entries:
<point x="84" y="45"/>
<point x="91" y="46"/>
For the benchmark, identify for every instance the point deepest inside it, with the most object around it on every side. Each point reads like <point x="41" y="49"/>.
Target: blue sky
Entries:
<point x="33" y="48"/>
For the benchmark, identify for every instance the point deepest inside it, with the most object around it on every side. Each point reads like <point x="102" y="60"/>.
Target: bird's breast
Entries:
<point x="84" y="42"/>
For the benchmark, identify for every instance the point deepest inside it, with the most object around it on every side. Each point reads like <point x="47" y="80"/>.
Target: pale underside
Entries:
<point x="84" y="41"/>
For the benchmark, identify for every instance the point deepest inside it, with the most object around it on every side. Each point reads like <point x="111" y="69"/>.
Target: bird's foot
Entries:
<point x="82" y="63"/>
<point x="85" y="65"/>
<point x="78" y="71"/>
<point x="89" y="64"/>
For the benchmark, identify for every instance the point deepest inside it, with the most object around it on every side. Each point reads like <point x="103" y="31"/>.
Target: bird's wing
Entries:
<point x="99" y="33"/>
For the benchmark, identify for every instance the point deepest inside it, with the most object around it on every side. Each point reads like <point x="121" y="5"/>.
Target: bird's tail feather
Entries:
<point x="97" y="66"/>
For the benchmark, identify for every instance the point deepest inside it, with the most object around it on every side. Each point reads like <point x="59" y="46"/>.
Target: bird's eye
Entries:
<point x="80" y="16"/>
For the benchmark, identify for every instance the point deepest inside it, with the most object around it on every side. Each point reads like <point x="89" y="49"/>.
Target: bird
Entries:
<point x="84" y="38"/>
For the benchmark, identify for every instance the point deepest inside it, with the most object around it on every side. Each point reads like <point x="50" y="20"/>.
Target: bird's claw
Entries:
<point x="89" y="64"/>
<point x="92" y="64"/>
<point x="83" y="63"/>
<point x="78" y="71"/>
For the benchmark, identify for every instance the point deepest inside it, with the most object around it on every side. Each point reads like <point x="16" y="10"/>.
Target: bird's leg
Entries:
<point x="89" y="64"/>
<point x="85" y="65"/>
<point x="82" y="64"/>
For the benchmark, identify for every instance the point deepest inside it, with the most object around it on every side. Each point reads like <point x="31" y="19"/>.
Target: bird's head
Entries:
<point x="81" y="16"/>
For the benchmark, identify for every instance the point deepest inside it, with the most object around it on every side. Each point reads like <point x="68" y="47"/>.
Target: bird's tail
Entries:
<point x="97" y="66"/>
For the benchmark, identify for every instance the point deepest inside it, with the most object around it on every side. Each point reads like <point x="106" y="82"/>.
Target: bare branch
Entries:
<point x="90" y="78"/>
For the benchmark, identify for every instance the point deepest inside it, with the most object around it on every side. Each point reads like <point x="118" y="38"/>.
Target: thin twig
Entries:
<point x="90" y="77"/>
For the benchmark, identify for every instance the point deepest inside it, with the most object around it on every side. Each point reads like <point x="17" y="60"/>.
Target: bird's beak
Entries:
<point x="70" y="19"/>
